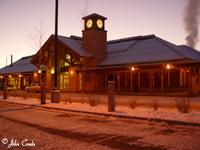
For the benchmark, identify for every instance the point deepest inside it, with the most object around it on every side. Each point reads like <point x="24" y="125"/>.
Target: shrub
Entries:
<point x="68" y="99"/>
<point x="183" y="104"/>
<point x="132" y="102"/>
<point x="155" y="104"/>
<point x="82" y="98"/>
<point x="93" y="101"/>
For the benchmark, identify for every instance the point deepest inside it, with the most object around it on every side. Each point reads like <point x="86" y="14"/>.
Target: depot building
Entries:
<point x="86" y="64"/>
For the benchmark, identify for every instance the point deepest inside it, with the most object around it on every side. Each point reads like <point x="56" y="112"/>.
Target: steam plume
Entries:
<point x="191" y="21"/>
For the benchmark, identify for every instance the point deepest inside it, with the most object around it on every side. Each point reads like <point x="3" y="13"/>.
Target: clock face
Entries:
<point x="99" y="23"/>
<point x="89" y="23"/>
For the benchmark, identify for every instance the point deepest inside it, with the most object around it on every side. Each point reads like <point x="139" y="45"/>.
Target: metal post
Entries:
<point x="56" y="46"/>
<point x="55" y="95"/>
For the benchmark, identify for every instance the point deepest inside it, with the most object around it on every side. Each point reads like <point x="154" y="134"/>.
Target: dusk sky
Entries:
<point x="126" y="18"/>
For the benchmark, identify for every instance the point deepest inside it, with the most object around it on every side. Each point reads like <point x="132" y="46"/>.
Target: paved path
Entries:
<point x="56" y="129"/>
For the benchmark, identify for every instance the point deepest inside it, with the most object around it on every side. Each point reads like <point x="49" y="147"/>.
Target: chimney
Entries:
<point x="11" y="59"/>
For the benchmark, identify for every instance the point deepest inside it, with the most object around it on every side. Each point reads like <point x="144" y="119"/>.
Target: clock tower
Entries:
<point x="95" y="37"/>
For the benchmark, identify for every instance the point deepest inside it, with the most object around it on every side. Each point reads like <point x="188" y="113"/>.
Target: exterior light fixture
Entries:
<point x="39" y="71"/>
<point x="168" y="66"/>
<point x="52" y="70"/>
<point x="132" y="68"/>
<point x="1" y="77"/>
<point x="35" y="74"/>
<point x="20" y="75"/>
<point x="10" y="76"/>
<point x="71" y="72"/>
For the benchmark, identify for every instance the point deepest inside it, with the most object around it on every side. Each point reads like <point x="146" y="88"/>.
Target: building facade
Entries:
<point x="18" y="75"/>
<point x="136" y="64"/>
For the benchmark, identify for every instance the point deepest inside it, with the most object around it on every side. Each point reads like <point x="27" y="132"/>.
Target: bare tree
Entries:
<point x="35" y="38"/>
<point x="84" y="11"/>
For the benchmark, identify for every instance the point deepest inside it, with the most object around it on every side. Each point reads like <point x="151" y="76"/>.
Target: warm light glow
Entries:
<point x="132" y="68"/>
<point x="20" y="75"/>
<point x="71" y="72"/>
<point x="52" y="70"/>
<point x="168" y="66"/>
<point x="35" y="74"/>
<point x="39" y="71"/>
<point x="9" y="76"/>
<point x="1" y="77"/>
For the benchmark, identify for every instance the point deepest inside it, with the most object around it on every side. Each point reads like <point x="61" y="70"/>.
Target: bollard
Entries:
<point x="111" y="96"/>
<point x="55" y="96"/>
<point x="43" y="94"/>
<point x="5" y="94"/>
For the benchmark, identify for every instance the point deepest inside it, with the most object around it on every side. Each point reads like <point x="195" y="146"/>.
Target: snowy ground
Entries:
<point x="51" y="129"/>
<point x="121" y="110"/>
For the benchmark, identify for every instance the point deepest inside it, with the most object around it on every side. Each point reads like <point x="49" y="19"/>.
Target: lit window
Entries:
<point x="66" y="64"/>
<point x="68" y="57"/>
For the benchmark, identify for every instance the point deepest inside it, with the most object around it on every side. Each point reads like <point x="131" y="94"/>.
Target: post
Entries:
<point x="138" y="79"/>
<point x="5" y="94"/>
<point x="43" y="93"/>
<point x="55" y="94"/>
<point x="111" y="96"/>
<point x="162" y="82"/>
<point x="118" y="81"/>
<point x="150" y="81"/>
<point x="190" y="92"/>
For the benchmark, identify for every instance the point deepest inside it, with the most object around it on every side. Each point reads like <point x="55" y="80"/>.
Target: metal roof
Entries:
<point x="22" y="65"/>
<point x="75" y="44"/>
<point x="189" y="52"/>
<point x="146" y="49"/>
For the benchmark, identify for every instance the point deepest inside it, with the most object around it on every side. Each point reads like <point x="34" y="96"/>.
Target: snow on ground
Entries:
<point x="162" y="113"/>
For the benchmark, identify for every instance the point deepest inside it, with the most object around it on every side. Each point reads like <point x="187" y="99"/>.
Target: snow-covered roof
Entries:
<point x="146" y="49"/>
<point x="22" y="65"/>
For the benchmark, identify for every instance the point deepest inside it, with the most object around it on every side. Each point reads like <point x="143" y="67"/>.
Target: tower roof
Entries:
<point x="94" y="15"/>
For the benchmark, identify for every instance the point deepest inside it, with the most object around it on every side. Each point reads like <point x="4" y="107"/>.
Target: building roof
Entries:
<point x="146" y="49"/>
<point x="94" y="15"/>
<point x="22" y="65"/>
<point x="75" y="43"/>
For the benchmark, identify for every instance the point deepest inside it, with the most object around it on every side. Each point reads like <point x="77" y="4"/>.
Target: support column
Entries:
<point x="126" y="79"/>
<point x="106" y="81"/>
<point x="190" y="81"/>
<point x="138" y="80"/>
<point x="162" y="81"/>
<point x="168" y="78"/>
<point x="150" y="80"/>
<point x="181" y="78"/>
<point x="131" y="80"/>
<point x="118" y="81"/>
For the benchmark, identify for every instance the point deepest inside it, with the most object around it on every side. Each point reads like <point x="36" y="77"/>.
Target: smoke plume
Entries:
<point x="191" y="21"/>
